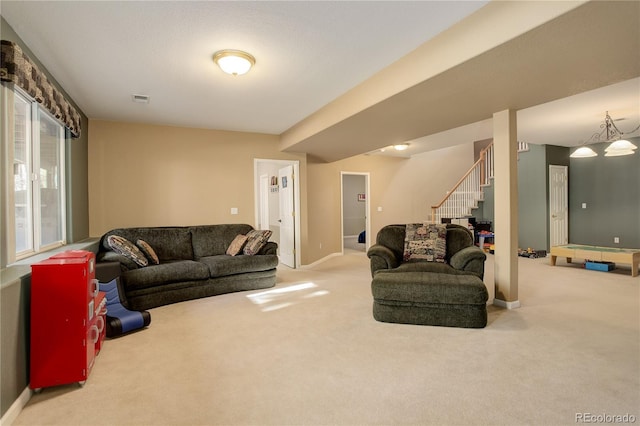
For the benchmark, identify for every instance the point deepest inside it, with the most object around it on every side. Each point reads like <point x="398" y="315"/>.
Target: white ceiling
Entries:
<point x="307" y="54"/>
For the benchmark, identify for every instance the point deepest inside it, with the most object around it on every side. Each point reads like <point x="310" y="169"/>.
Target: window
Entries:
<point x="38" y="178"/>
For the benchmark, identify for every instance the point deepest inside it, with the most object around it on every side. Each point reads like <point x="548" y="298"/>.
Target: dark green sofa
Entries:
<point x="429" y="293"/>
<point x="193" y="264"/>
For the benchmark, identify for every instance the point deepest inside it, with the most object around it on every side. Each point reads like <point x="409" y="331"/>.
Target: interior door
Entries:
<point x="287" y="216"/>
<point x="558" y="205"/>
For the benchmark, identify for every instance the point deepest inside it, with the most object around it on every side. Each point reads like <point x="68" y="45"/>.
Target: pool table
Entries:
<point x="595" y="253"/>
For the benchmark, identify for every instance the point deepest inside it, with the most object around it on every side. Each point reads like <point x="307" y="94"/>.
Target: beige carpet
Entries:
<point x="312" y="354"/>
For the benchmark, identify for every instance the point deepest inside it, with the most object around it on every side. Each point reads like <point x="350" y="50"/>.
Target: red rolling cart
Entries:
<point x="67" y="319"/>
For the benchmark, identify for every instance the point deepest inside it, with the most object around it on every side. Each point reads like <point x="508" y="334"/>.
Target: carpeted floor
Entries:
<point x="309" y="353"/>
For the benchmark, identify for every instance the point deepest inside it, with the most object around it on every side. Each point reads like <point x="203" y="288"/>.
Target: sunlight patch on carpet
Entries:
<point x="279" y="298"/>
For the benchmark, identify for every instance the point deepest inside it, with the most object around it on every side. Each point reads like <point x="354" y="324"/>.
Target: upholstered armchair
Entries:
<point x="428" y="275"/>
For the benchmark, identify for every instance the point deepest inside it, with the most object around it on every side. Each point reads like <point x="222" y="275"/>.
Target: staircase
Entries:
<point x="465" y="195"/>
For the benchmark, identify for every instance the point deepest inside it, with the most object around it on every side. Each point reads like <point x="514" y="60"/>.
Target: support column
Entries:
<point x="505" y="145"/>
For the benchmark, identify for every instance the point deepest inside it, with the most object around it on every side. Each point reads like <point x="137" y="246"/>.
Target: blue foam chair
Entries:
<point x="121" y="320"/>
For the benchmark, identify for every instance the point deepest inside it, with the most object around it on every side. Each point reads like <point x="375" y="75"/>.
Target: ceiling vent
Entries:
<point x="141" y="99"/>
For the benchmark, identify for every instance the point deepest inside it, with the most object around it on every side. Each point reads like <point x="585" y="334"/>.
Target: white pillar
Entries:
<point x="505" y="145"/>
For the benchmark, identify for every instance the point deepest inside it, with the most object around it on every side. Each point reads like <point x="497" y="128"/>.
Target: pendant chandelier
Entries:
<point x="609" y="133"/>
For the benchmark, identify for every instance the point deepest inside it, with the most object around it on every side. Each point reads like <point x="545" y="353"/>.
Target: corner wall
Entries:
<point x="404" y="189"/>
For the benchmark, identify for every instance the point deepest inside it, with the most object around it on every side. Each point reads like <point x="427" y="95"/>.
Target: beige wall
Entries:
<point x="151" y="175"/>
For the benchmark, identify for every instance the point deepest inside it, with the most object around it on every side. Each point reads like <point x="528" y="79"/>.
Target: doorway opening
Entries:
<point x="277" y="206"/>
<point x="356" y="227"/>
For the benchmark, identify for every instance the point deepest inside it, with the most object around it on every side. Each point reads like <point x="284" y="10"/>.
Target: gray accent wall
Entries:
<point x="15" y="281"/>
<point x="610" y="187"/>
<point x="14" y="352"/>
<point x="533" y="228"/>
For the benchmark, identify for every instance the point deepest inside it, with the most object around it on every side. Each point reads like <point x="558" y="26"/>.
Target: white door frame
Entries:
<point x="367" y="207"/>
<point x="296" y="195"/>
<point x="263" y="205"/>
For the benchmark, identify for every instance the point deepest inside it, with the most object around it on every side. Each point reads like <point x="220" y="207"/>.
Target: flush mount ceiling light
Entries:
<point x="234" y="62"/>
<point x="610" y="132"/>
<point x="401" y="146"/>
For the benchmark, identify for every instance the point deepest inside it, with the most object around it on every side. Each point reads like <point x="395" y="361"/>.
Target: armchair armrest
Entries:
<point x="381" y="258"/>
<point x="469" y="259"/>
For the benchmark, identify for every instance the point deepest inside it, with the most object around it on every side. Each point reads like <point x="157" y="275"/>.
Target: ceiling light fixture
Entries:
<point x="583" y="152"/>
<point x="619" y="152"/>
<point x="401" y="146"/>
<point x="234" y="62"/>
<point x="609" y="132"/>
<point x="621" y="145"/>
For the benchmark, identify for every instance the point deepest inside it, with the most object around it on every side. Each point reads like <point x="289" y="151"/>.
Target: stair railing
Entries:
<point x="464" y="196"/>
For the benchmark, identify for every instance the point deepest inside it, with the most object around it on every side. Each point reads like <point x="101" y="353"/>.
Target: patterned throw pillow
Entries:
<point x="148" y="251"/>
<point x="237" y="245"/>
<point x="127" y="249"/>
<point x="425" y="242"/>
<point x="256" y="239"/>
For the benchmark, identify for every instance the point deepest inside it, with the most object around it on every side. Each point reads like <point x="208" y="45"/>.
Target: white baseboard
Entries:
<point x="504" y="304"/>
<point x="14" y="411"/>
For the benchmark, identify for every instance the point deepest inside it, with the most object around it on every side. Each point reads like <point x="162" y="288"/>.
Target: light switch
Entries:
<point x="584" y="205"/>
<point x="379" y="208"/>
<point x="234" y="210"/>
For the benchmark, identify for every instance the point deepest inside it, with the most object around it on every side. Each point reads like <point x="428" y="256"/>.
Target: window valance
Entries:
<point x="16" y="67"/>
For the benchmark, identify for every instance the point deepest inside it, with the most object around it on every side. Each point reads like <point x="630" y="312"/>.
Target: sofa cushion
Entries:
<point x="223" y="265"/>
<point x="426" y="242"/>
<point x="148" y="251"/>
<point x="211" y="240"/>
<point x="127" y="249"/>
<point x="168" y="272"/>
<point x="256" y="239"/>
<point x="237" y="245"/>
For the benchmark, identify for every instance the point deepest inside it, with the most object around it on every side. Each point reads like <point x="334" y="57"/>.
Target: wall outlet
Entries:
<point x="380" y="208"/>
<point x="234" y="210"/>
<point x="320" y="245"/>
<point x="616" y="240"/>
